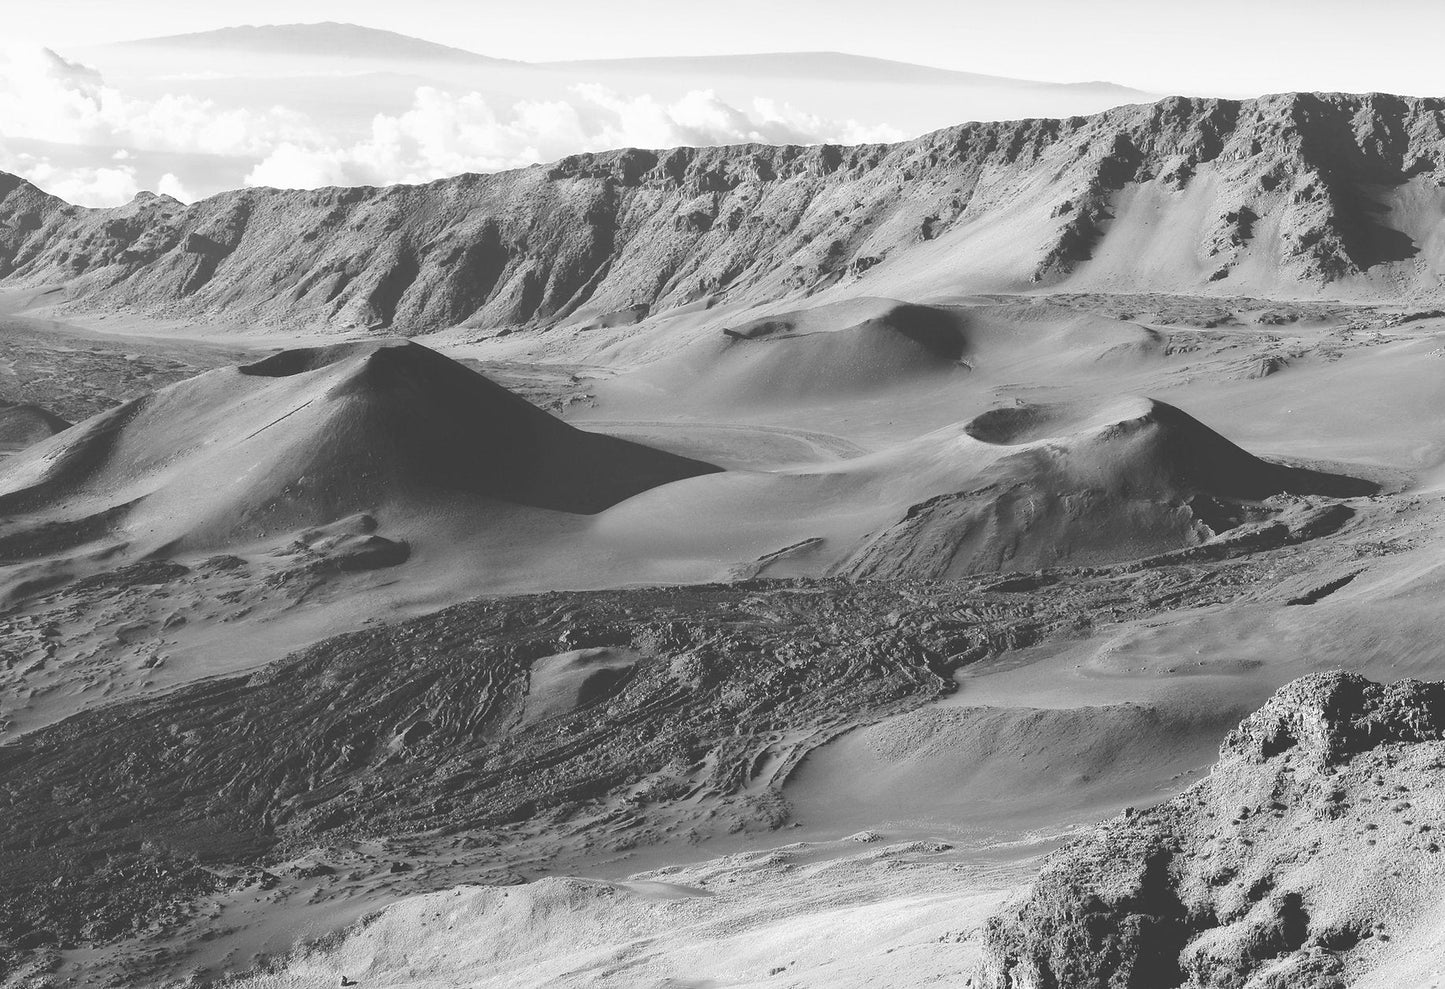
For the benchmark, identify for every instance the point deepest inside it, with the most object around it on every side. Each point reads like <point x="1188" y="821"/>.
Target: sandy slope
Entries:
<point x="833" y="422"/>
<point x="26" y="425"/>
<point x="1298" y="379"/>
<point x="306" y="438"/>
<point x="841" y="914"/>
<point x="325" y="469"/>
<point x="1239" y="881"/>
<point x="1195" y="499"/>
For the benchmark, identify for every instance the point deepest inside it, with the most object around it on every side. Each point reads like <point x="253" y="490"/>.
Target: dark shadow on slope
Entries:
<point x="25" y="425"/>
<point x="452" y="429"/>
<point x="1205" y="459"/>
<point x="1083" y="489"/>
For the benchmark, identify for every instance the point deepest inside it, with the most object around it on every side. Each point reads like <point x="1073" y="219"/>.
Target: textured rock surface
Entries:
<point x="1309" y="858"/>
<point x="1329" y="719"/>
<point x="1293" y="191"/>
<point x="526" y="733"/>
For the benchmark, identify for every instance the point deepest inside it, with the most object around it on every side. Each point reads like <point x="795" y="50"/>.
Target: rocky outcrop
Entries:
<point x="1307" y="859"/>
<point x="1330" y="719"/>
<point x="1298" y="191"/>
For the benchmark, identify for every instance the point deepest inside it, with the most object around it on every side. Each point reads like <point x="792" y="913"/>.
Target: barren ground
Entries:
<point x="213" y="753"/>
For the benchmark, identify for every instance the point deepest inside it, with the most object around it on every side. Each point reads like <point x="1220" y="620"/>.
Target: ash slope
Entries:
<point x="1309" y="858"/>
<point x="1135" y="478"/>
<point x="25" y="425"/>
<point x="241" y="457"/>
<point x="1099" y="483"/>
<point x="1278" y="196"/>
<point x="305" y="438"/>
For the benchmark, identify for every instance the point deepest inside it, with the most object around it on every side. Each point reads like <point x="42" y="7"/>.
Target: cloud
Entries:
<point x="46" y="97"/>
<point x="170" y="185"/>
<point x="84" y="186"/>
<point x="188" y="124"/>
<point x="292" y="167"/>
<point x="442" y="134"/>
<point x="701" y="119"/>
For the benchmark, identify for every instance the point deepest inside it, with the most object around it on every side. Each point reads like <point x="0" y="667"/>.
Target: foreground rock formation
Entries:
<point x="1279" y="194"/>
<point x="1310" y="858"/>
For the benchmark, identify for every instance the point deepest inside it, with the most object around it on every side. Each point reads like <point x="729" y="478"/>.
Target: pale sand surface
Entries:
<point x="829" y="432"/>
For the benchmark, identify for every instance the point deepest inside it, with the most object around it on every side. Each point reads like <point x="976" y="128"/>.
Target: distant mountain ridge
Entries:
<point x="335" y="39"/>
<point x="325" y="39"/>
<point x="1282" y="196"/>
<point x="805" y="63"/>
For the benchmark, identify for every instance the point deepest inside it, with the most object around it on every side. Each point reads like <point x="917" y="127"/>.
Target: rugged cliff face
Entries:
<point x="1309" y="858"/>
<point x="1280" y="195"/>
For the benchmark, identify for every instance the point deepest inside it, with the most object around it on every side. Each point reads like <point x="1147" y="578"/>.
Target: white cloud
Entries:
<point x="45" y="97"/>
<point x="188" y="124"/>
<point x="170" y="185"/>
<point x="84" y="186"/>
<point x="443" y="135"/>
<point x="292" y="167"/>
<point x="790" y="120"/>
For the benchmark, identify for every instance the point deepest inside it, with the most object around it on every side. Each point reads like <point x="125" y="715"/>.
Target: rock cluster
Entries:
<point x="1307" y="859"/>
<point x="1331" y="717"/>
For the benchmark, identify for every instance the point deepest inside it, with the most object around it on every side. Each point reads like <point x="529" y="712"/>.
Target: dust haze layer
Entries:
<point x="1288" y="195"/>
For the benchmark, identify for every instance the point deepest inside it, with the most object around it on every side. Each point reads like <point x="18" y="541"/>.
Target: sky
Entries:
<point x="1218" y="47"/>
<point x="82" y="122"/>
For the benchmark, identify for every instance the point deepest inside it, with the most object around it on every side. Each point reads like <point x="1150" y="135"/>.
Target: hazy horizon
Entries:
<point x="95" y="122"/>
<point x="1241" y="47"/>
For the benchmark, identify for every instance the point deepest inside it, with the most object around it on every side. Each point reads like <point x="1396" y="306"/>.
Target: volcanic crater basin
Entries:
<point x="764" y="557"/>
<point x="166" y="785"/>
